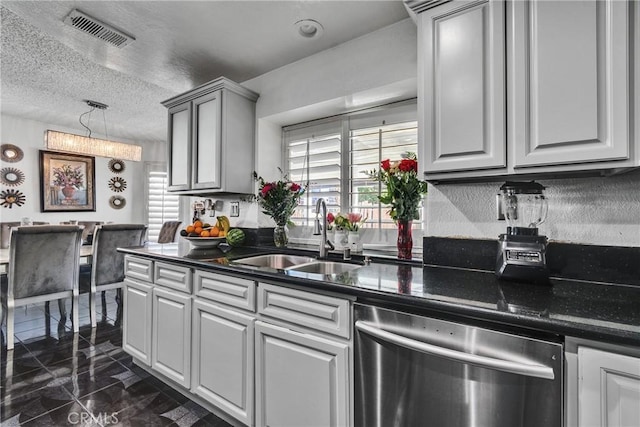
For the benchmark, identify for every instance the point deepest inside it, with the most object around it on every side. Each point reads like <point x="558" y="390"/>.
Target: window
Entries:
<point x="161" y="206"/>
<point x="333" y="155"/>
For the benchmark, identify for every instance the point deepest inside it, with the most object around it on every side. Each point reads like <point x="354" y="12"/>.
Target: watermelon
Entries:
<point x="235" y="237"/>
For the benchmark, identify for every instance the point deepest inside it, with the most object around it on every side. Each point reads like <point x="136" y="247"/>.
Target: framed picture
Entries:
<point x="66" y="182"/>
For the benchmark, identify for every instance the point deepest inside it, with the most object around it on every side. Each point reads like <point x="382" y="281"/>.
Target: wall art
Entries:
<point x="11" y="176"/>
<point x="117" y="202"/>
<point x="11" y="197"/>
<point x="66" y="182"/>
<point x="116" y="165"/>
<point x="11" y="153"/>
<point x="117" y="184"/>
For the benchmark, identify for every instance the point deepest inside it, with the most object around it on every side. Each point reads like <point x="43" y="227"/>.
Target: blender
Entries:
<point x="521" y="250"/>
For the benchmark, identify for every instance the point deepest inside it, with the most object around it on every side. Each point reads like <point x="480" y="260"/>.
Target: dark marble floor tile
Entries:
<point x="33" y="404"/>
<point x="91" y="381"/>
<point x="25" y="383"/>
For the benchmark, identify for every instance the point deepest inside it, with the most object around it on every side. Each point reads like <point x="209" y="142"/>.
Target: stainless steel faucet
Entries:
<point x="318" y="228"/>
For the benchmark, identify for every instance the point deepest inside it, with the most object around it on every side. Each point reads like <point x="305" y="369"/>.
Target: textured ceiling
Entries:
<point x="49" y="68"/>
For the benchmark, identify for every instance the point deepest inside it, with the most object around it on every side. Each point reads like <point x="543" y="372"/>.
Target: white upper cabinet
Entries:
<point x="527" y="86"/>
<point x="211" y="137"/>
<point x="570" y="88"/>
<point x="463" y="86"/>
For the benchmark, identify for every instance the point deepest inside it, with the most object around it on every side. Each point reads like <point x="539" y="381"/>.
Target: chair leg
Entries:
<point x="62" y="307"/>
<point x="10" y="330"/>
<point x="92" y="308"/>
<point x="74" y="312"/>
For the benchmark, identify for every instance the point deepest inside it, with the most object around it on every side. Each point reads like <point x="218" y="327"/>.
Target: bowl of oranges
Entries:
<point x="204" y="235"/>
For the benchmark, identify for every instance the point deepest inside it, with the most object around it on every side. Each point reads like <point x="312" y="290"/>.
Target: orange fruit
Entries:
<point x="189" y="229"/>
<point x="221" y="233"/>
<point x="198" y="229"/>
<point x="197" y="224"/>
<point x="204" y="233"/>
<point x="214" y="232"/>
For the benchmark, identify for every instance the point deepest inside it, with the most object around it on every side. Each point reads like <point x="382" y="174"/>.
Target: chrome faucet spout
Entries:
<point x="325" y="245"/>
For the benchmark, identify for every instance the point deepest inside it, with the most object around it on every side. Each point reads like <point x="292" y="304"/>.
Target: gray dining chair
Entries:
<point x="168" y="231"/>
<point x="107" y="264"/>
<point x="89" y="227"/>
<point x="44" y="263"/>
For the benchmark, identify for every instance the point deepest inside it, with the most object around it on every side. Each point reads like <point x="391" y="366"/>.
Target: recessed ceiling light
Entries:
<point x="309" y="29"/>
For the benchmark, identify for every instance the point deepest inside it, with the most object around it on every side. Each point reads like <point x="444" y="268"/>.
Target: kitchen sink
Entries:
<point x="325" y="267"/>
<point x="277" y="261"/>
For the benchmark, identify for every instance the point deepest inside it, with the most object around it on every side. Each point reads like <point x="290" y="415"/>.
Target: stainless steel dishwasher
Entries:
<point x="414" y="371"/>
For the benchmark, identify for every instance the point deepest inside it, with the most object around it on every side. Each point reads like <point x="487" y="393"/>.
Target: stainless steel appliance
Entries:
<point x="522" y="251"/>
<point x="417" y="371"/>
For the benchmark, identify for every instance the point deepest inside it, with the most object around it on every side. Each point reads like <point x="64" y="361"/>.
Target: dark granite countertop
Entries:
<point x="591" y="310"/>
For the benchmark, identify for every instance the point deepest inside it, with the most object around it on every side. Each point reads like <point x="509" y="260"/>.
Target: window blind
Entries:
<point x="161" y="205"/>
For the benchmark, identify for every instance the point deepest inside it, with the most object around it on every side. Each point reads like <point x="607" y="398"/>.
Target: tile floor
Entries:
<point x="58" y="378"/>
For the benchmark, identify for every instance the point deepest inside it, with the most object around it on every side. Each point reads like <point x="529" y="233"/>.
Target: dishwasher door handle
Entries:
<point x="530" y="370"/>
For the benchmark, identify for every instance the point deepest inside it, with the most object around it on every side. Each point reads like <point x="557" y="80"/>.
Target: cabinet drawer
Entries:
<point x="173" y="276"/>
<point x="314" y="311"/>
<point x="229" y="290"/>
<point x="138" y="268"/>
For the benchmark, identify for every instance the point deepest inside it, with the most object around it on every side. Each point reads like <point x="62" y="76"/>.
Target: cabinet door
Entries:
<point x="136" y="331"/>
<point x="301" y="380"/>
<point x="462" y="117"/>
<point x="179" y="164"/>
<point x="569" y="82"/>
<point x="609" y="389"/>
<point x="171" y="337"/>
<point x="207" y="140"/>
<point x="223" y="359"/>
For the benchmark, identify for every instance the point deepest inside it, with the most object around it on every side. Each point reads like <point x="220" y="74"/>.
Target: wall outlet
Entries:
<point x="235" y="209"/>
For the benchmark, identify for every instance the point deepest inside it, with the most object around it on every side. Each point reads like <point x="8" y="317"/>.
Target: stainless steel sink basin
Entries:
<point x="325" y="267"/>
<point x="277" y="261"/>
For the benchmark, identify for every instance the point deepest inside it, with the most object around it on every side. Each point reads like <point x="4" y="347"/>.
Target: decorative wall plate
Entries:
<point x="117" y="202"/>
<point x="8" y="198"/>
<point x="116" y="166"/>
<point x="117" y="184"/>
<point x="11" y="153"/>
<point x="11" y="176"/>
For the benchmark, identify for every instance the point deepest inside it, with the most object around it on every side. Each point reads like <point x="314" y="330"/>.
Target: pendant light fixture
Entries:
<point x="71" y="143"/>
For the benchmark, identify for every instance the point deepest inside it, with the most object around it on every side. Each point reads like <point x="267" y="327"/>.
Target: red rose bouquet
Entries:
<point x="279" y="199"/>
<point x="404" y="190"/>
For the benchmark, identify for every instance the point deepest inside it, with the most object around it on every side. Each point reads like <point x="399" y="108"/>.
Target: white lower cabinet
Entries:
<point x="136" y="334"/>
<point x="608" y="389"/>
<point x="301" y="379"/>
<point x="222" y="371"/>
<point x="171" y="335"/>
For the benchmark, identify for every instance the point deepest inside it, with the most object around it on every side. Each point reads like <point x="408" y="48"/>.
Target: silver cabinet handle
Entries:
<point x="538" y="371"/>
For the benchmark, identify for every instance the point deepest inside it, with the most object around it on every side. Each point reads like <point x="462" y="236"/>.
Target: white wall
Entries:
<point x="29" y="136"/>
<point x="599" y="211"/>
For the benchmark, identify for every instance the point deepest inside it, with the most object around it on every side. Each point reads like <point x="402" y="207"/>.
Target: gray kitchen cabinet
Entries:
<point x="303" y="366"/>
<point x="301" y="379"/>
<point x="171" y="335"/>
<point x="136" y="317"/>
<point x="564" y="104"/>
<point x="223" y="353"/>
<point x="211" y="139"/>
<point x="603" y="384"/>
<point x="223" y="343"/>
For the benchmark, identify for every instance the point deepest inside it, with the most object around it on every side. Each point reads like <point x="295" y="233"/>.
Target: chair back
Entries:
<point x="107" y="262"/>
<point x="168" y="231"/>
<point x="44" y="259"/>
<point x="5" y="231"/>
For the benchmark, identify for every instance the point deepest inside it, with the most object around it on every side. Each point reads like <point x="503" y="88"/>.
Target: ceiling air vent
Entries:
<point x="98" y="29"/>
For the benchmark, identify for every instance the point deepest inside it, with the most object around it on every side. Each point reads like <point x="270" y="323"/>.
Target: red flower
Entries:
<point x="267" y="187"/>
<point x="330" y="218"/>
<point x="408" y="165"/>
<point x="295" y="187"/>
<point x="386" y="165"/>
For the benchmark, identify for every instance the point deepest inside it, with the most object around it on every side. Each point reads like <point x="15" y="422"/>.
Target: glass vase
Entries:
<point x="280" y="238"/>
<point x="405" y="241"/>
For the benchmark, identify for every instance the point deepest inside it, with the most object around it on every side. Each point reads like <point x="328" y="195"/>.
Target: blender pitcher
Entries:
<point x="524" y="206"/>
